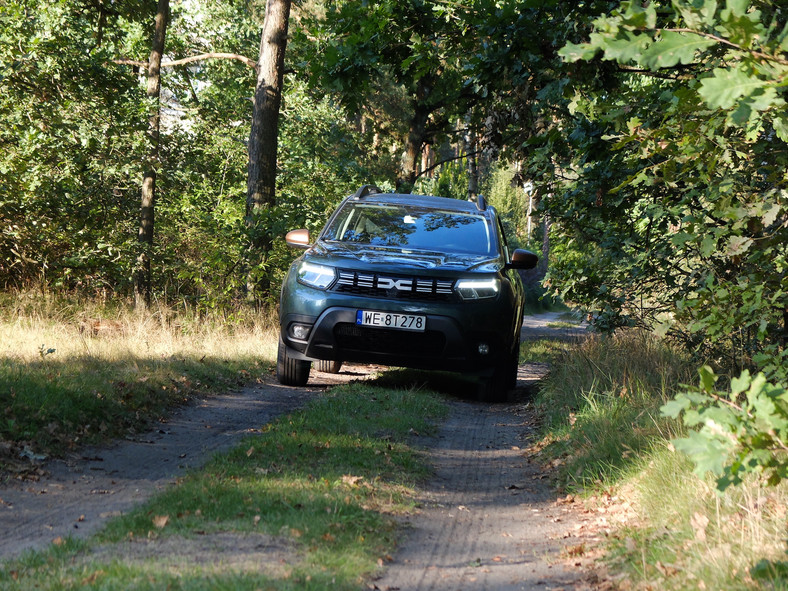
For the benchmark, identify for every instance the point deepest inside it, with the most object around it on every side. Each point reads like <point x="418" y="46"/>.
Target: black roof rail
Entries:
<point x="366" y="190"/>
<point x="481" y="203"/>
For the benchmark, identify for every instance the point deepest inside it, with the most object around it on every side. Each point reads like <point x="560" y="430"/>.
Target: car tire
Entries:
<point x="495" y="388"/>
<point x="514" y="366"/>
<point x="290" y="371"/>
<point x="328" y="365"/>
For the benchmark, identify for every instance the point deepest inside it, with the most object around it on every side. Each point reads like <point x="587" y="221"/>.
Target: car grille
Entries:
<point x="351" y="337"/>
<point x="430" y="289"/>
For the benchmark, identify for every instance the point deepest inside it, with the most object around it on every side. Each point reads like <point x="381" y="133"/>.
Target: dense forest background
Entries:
<point x="647" y="140"/>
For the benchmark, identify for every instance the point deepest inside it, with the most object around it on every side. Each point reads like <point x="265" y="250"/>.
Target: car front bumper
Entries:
<point x="443" y="345"/>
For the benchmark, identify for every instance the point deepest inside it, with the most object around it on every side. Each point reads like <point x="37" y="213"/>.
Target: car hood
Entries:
<point x="421" y="259"/>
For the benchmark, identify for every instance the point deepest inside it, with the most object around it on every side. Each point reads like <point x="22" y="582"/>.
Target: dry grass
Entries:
<point x="70" y="375"/>
<point x="689" y="536"/>
<point x="28" y="333"/>
<point x="601" y="404"/>
<point x="603" y="424"/>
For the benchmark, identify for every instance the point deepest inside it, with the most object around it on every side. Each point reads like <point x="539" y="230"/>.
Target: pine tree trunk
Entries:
<point x="263" y="138"/>
<point x="544" y="261"/>
<point x="142" y="286"/>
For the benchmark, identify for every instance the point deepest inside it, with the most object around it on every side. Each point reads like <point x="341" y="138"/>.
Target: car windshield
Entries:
<point x="415" y="228"/>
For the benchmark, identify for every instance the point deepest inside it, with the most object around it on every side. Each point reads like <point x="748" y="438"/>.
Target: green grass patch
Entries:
<point x="544" y="350"/>
<point x="318" y="490"/>
<point x="562" y="324"/>
<point x="55" y="405"/>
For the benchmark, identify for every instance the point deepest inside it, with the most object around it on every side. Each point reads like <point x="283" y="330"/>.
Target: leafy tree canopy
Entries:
<point x="669" y="183"/>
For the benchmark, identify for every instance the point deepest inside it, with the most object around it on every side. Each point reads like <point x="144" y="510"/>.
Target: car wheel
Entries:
<point x="514" y="365"/>
<point x="290" y="371"/>
<point x="495" y="388"/>
<point x="328" y="365"/>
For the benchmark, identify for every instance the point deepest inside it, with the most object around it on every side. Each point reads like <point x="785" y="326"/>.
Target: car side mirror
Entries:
<point x="523" y="259"/>
<point x="298" y="239"/>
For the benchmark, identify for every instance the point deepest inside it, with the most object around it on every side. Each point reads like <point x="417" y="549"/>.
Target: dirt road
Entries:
<point x="488" y="519"/>
<point x="80" y="493"/>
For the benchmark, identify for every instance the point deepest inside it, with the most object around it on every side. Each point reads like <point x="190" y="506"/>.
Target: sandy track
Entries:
<point x="489" y="517"/>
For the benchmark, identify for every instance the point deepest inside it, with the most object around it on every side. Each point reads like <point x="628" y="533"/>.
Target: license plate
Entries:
<point x="391" y="320"/>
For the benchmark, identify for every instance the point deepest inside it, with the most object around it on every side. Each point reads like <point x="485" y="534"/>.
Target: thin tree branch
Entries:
<point x="723" y="41"/>
<point x="452" y="159"/>
<point x="193" y="58"/>
<point x="675" y="71"/>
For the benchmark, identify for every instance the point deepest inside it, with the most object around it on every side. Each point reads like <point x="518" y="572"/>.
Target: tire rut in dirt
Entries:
<point x="78" y="495"/>
<point x="486" y="519"/>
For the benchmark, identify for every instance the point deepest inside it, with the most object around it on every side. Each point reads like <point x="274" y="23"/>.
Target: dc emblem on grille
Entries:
<point x="398" y="284"/>
<point x="404" y="288"/>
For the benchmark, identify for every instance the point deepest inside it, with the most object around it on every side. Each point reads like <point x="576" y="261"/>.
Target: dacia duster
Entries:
<point x="407" y="281"/>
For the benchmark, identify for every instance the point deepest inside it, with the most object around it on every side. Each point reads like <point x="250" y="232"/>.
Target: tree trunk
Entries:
<point x="412" y="153"/>
<point x="544" y="261"/>
<point x="142" y="287"/>
<point x="263" y="138"/>
<point x="473" y="171"/>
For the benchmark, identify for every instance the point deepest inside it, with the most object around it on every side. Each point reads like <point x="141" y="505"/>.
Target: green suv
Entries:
<point x="406" y="281"/>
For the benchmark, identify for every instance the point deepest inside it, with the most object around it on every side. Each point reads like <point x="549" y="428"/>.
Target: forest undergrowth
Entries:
<point x="604" y="428"/>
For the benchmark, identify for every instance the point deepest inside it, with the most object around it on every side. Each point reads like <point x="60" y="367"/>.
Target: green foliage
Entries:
<point x="673" y="202"/>
<point x="512" y="203"/>
<point x="405" y="65"/>
<point x="747" y="44"/>
<point x="676" y="214"/>
<point x="736" y="432"/>
<point x="453" y="180"/>
<point x="73" y="141"/>
<point x="204" y="243"/>
<point x="409" y="43"/>
<point x="203" y="239"/>
<point x="71" y="130"/>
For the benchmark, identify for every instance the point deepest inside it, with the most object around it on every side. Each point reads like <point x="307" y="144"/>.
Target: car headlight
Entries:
<point x="319" y="276"/>
<point x="477" y="289"/>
